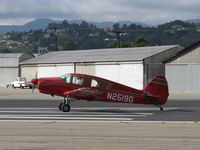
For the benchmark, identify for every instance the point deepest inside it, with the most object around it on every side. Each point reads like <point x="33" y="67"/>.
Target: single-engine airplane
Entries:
<point x="75" y="86"/>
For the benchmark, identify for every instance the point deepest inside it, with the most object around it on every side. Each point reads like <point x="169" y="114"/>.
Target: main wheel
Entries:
<point x="66" y="108"/>
<point x="61" y="106"/>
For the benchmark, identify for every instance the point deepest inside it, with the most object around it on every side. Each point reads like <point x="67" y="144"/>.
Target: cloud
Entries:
<point x="149" y="11"/>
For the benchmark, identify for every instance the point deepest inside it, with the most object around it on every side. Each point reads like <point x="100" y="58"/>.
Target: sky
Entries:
<point x="18" y="12"/>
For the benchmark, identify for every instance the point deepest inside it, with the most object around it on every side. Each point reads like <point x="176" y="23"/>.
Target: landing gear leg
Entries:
<point x="61" y="106"/>
<point x="65" y="106"/>
<point x="161" y="108"/>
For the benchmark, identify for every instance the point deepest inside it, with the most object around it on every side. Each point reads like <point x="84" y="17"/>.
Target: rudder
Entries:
<point x="158" y="88"/>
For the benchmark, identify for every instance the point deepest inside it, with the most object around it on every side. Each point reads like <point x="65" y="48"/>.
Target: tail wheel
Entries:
<point x="161" y="108"/>
<point x="66" y="108"/>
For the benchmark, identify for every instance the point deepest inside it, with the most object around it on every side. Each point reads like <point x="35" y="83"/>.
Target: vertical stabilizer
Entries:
<point x="158" y="89"/>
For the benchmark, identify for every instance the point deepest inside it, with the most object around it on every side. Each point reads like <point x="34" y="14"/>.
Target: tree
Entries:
<point x="69" y="46"/>
<point x="84" y="24"/>
<point x="5" y="50"/>
<point x="141" y="42"/>
<point x="116" y="27"/>
<point x="122" y="45"/>
<point x="22" y="49"/>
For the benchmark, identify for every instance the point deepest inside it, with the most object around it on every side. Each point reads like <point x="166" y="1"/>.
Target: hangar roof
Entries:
<point x="100" y="55"/>
<point x="10" y="55"/>
<point x="184" y="52"/>
<point x="13" y="59"/>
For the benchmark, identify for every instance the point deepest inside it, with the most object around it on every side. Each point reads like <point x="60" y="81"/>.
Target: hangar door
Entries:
<point x="128" y="73"/>
<point x="28" y="71"/>
<point x="183" y="77"/>
<point x="8" y="75"/>
<point x="54" y="70"/>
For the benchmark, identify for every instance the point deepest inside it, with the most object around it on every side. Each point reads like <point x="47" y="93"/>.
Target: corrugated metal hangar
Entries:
<point x="9" y="66"/>
<point x="134" y="67"/>
<point x="183" y="70"/>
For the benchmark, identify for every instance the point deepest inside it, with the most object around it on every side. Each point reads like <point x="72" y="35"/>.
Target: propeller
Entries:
<point x="34" y="82"/>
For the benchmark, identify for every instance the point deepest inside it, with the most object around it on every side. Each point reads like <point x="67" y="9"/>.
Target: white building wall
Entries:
<point x="127" y="74"/>
<point x="130" y="74"/>
<point x="8" y="75"/>
<point x="9" y="62"/>
<point x="30" y="72"/>
<point x="54" y="70"/>
<point x="8" y="70"/>
<point x="9" y="67"/>
<point x="183" y="73"/>
<point x="183" y="77"/>
<point x="192" y="57"/>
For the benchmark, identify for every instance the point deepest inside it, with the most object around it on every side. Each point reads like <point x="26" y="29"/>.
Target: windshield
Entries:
<point x="66" y="78"/>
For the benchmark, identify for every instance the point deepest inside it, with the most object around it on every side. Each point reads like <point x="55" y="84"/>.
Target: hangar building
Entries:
<point x="9" y="66"/>
<point x="183" y="70"/>
<point x="134" y="67"/>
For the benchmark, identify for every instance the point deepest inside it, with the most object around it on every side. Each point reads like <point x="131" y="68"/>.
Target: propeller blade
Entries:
<point x="34" y="82"/>
<point x="36" y="74"/>
<point x="33" y="88"/>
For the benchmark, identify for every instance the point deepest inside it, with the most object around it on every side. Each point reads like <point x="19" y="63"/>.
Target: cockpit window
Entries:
<point x="66" y="78"/>
<point x="77" y="80"/>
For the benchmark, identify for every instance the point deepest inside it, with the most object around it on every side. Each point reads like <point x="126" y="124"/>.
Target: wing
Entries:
<point x="84" y="94"/>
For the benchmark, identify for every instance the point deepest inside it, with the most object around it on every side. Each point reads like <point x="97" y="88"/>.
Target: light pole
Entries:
<point x="55" y="27"/>
<point x="118" y="36"/>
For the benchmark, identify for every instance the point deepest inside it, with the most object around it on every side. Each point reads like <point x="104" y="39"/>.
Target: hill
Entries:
<point x="42" y="23"/>
<point x="78" y="34"/>
<point x="193" y="21"/>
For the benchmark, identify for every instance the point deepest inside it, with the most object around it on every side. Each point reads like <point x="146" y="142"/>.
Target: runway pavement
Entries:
<point x="99" y="136"/>
<point x="33" y="121"/>
<point x="23" y="105"/>
<point x="110" y="114"/>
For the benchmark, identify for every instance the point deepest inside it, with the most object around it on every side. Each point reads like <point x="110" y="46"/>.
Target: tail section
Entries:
<point x="157" y="89"/>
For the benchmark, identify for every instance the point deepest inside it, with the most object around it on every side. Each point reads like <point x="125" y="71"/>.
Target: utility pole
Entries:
<point x="118" y="36"/>
<point x="55" y="27"/>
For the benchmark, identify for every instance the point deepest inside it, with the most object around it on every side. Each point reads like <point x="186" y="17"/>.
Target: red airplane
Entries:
<point x="86" y="87"/>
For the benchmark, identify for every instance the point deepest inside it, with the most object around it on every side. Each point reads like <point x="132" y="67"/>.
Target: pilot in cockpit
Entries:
<point x="79" y="80"/>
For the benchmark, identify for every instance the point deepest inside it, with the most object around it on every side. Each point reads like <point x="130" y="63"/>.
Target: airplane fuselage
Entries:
<point x="105" y="90"/>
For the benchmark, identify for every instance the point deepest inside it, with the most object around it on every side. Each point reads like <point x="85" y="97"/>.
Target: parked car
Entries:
<point x="20" y="82"/>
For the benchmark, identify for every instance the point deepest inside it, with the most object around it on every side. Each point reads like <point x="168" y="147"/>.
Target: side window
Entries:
<point x="77" y="80"/>
<point x="94" y="83"/>
<point x="98" y="84"/>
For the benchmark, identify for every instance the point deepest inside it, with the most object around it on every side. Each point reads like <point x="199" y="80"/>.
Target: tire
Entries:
<point x="161" y="109"/>
<point x="66" y="108"/>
